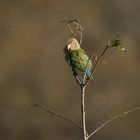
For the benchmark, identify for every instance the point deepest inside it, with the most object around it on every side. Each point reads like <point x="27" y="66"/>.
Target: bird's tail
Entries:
<point x="89" y="75"/>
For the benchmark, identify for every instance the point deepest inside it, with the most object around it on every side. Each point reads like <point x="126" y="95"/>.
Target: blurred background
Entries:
<point x="33" y="69"/>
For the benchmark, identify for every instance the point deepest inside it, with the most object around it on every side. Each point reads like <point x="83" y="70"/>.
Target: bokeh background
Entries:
<point x="33" y="69"/>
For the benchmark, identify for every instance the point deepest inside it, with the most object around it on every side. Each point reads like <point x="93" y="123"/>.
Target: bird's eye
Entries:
<point x="73" y="43"/>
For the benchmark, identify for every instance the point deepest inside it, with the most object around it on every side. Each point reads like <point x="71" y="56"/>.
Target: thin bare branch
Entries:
<point x="78" y="30"/>
<point x="58" y="115"/>
<point x="99" y="59"/>
<point x="113" y="118"/>
<point x="83" y="113"/>
<point x="70" y="29"/>
<point x="97" y="62"/>
<point x="77" y="78"/>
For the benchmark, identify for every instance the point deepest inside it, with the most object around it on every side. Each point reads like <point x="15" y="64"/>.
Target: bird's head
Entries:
<point x="72" y="44"/>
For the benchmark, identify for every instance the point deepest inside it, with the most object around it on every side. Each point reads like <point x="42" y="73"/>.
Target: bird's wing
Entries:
<point x="78" y="59"/>
<point x="85" y="58"/>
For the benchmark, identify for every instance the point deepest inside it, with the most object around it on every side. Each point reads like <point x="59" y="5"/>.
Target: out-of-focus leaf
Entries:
<point x="116" y="43"/>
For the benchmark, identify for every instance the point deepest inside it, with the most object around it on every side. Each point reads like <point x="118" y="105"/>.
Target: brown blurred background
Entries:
<point x="33" y="69"/>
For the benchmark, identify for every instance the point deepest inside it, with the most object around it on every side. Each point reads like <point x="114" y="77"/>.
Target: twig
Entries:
<point x="97" y="62"/>
<point x="99" y="59"/>
<point x="77" y="77"/>
<point x="79" y="29"/>
<point x="78" y="80"/>
<point x="113" y="118"/>
<point x="83" y="113"/>
<point x="58" y="115"/>
<point x="70" y="28"/>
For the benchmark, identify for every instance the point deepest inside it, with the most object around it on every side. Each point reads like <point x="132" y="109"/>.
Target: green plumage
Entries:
<point x="78" y="59"/>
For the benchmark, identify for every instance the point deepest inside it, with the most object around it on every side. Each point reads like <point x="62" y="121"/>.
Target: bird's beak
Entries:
<point x="69" y="47"/>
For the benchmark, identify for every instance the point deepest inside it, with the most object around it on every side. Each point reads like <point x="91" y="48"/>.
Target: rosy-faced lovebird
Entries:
<point x="77" y="58"/>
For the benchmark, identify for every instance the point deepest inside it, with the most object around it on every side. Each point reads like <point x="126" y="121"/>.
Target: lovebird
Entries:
<point x="77" y="58"/>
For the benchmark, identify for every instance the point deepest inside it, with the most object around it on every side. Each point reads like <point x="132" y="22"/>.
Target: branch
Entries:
<point x="113" y="118"/>
<point x="79" y="82"/>
<point x="79" y="29"/>
<point x="83" y="113"/>
<point x="96" y="63"/>
<point x="99" y="59"/>
<point x="58" y="115"/>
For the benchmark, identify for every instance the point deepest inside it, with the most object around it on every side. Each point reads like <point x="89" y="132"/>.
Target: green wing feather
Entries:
<point x="78" y="59"/>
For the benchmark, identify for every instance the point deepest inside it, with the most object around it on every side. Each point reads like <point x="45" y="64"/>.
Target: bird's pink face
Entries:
<point x="72" y="46"/>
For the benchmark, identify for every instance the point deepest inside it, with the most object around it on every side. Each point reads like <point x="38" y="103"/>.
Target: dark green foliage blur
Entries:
<point x="33" y="69"/>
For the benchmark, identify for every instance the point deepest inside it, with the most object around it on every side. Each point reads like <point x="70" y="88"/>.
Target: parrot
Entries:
<point x="77" y="58"/>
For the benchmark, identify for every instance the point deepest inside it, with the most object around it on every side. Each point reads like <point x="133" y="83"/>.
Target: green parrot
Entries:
<point x="77" y="58"/>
